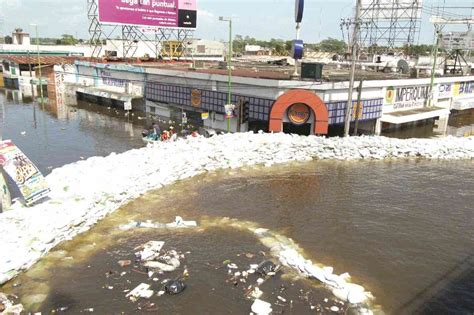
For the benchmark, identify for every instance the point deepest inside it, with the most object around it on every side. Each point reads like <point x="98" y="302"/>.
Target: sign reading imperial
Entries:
<point x="404" y="98"/>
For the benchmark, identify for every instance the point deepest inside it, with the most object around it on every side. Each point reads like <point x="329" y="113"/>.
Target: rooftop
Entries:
<point x="33" y="59"/>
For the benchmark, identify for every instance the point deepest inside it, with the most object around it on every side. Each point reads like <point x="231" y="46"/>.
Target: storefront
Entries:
<point x="300" y="112"/>
<point x="412" y="103"/>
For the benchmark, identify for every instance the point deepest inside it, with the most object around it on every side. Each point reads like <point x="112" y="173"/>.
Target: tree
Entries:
<point x="332" y="45"/>
<point x="67" y="39"/>
<point x="418" y="50"/>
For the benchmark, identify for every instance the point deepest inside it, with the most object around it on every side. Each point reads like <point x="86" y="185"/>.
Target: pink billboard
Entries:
<point x="157" y="13"/>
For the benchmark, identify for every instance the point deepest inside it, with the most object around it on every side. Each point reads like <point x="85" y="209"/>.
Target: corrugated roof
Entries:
<point x="33" y="59"/>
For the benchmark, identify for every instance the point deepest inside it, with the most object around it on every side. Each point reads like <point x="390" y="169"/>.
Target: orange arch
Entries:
<point x="309" y="98"/>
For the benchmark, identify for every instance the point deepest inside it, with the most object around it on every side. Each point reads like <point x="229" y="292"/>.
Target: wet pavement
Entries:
<point x="402" y="229"/>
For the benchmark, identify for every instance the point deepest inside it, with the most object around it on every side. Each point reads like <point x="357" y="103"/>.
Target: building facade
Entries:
<point x="292" y="106"/>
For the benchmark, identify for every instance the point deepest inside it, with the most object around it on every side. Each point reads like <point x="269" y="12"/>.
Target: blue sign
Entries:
<point x="298" y="48"/>
<point x="299" y="9"/>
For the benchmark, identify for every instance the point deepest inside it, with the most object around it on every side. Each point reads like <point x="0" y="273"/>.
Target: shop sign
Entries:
<point x="299" y="114"/>
<point x="108" y="79"/>
<point x="196" y="98"/>
<point x="24" y="173"/>
<point x="405" y="98"/>
<point x="463" y="88"/>
<point x="445" y="90"/>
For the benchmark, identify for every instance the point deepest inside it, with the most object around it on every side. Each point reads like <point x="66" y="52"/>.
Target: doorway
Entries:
<point x="302" y="130"/>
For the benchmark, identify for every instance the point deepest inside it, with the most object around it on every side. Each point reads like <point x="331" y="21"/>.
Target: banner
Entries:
<point x="24" y="173"/>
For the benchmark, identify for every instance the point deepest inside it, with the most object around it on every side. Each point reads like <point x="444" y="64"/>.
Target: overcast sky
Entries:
<point x="263" y="19"/>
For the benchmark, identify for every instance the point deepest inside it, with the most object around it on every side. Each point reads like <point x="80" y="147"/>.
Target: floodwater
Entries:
<point x="403" y="230"/>
<point x="459" y="125"/>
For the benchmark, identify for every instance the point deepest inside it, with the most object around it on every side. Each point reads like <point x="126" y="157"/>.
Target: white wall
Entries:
<point x="71" y="50"/>
<point x="142" y="50"/>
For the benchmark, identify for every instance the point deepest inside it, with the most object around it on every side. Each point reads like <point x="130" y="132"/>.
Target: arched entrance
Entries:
<point x="296" y="101"/>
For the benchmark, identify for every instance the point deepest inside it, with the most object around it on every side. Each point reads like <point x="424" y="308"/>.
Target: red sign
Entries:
<point x="299" y="114"/>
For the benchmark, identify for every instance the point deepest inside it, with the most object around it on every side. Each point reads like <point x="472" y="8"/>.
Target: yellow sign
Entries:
<point x="457" y="87"/>
<point x="204" y="116"/>
<point x="299" y="114"/>
<point x="390" y="95"/>
<point x="357" y="111"/>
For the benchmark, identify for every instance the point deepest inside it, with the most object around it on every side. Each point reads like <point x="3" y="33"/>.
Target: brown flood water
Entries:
<point x="402" y="229"/>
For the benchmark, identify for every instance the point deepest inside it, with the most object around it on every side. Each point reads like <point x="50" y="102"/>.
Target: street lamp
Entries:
<point x="229" y="66"/>
<point x="39" y="62"/>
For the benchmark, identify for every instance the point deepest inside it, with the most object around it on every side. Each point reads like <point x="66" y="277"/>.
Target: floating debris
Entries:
<point x="260" y="307"/>
<point x="175" y="286"/>
<point x="141" y="291"/>
<point x="150" y="250"/>
<point x="266" y="268"/>
<point x="124" y="263"/>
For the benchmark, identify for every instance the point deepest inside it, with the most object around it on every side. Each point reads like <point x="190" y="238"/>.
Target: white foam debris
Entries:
<point x="150" y="250"/>
<point x="82" y="193"/>
<point x="141" y="291"/>
<point x="260" y="307"/>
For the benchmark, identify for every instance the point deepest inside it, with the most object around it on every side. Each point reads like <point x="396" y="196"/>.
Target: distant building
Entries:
<point x="20" y="44"/>
<point x="206" y="48"/>
<point x="20" y="38"/>
<point x="257" y="50"/>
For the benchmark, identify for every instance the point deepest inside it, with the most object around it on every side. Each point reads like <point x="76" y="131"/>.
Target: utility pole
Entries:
<point x="358" y="105"/>
<point x="39" y="63"/>
<point x="229" y="66"/>
<point x="354" y="55"/>
<point x="435" y="61"/>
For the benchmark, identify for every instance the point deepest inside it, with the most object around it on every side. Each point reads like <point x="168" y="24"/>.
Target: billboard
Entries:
<point x="458" y="40"/>
<point x="154" y="13"/>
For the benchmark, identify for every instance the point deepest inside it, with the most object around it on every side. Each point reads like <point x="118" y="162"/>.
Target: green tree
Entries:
<point x="333" y="45"/>
<point x="67" y="39"/>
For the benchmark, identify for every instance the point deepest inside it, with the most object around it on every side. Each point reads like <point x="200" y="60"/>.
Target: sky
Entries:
<point x="262" y="19"/>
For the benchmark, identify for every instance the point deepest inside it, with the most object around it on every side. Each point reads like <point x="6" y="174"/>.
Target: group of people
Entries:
<point x="154" y="133"/>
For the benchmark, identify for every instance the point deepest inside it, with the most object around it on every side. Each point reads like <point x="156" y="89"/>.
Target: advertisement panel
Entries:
<point x="26" y="175"/>
<point x="458" y="40"/>
<point x="154" y="13"/>
<point x="463" y="88"/>
<point x="445" y="90"/>
<point x="406" y="98"/>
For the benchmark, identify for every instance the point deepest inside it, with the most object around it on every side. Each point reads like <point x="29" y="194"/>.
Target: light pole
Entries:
<point x="229" y="66"/>
<point x="39" y="62"/>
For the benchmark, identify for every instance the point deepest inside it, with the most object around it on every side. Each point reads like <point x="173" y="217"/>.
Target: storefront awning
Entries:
<point x="407" y="116"/>
<point x="106" y="94"/>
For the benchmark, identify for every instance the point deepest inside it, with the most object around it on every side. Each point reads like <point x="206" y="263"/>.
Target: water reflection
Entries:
<point x="53" y="136"/>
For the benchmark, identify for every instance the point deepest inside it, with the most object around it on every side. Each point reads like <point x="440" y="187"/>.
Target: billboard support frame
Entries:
<point x="390" y="23"/>
<point x="130" y="35"/>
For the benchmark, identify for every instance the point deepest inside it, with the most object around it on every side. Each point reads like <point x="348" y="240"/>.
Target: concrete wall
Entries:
<point x="118" y="79"/>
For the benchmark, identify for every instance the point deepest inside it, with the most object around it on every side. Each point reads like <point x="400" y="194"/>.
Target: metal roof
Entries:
<point x="33" y="59"/>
